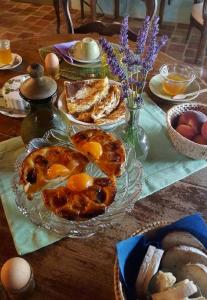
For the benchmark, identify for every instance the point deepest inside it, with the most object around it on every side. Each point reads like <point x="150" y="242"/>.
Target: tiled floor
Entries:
<point x="22" y="20"/>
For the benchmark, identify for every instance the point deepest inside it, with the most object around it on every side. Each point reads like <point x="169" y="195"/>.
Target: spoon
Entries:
<point x="183" y="96"/>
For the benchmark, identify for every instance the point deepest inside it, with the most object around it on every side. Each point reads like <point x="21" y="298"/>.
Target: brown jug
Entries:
<point x="40" y="91"/>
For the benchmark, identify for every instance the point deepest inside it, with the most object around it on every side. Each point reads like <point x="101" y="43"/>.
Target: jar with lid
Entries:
<point x="40" y="91"/>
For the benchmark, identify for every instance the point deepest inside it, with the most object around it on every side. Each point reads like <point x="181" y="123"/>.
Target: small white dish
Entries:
<point x="155" y="86"/>
<point x="12" y="101"/>
<point x="17" y="60"/>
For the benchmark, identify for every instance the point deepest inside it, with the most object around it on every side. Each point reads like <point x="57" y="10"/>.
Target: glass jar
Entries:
<point x="40" y="91"/>
<point x="5" y="52"/>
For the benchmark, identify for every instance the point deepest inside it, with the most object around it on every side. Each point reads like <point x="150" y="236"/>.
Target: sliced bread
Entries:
<point x="149" y="267"/>
<point x="178" y="238"/>
<point x="176" y="257"/>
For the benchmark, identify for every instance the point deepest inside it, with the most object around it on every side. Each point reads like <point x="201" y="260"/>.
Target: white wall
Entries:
<point x="177" y="11"/>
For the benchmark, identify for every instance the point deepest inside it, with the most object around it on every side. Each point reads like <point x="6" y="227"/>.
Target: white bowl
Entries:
<point x="182" y="144"/>
<point x="77" y="124"/>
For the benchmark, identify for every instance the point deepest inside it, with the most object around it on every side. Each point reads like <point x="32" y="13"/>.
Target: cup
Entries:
<point x="87" y="49"/>
<point x="176" y="78"/>
<point x="5" y="53"/>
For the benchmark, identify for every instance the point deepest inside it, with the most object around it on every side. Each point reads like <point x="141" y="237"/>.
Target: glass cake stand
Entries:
<point x="128" y="191"/>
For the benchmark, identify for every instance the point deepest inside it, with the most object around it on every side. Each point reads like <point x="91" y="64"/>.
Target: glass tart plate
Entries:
<point x="155" y="86"/>
<point x="128" y="192"/>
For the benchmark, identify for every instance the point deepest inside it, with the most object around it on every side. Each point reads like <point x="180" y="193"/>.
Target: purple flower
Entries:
<point x="138" y="62"/>
<point x="153" y="45"/>
<point x="142" y="36"/>
<point x="112" y="59"/>
<point x="123" y="37"/>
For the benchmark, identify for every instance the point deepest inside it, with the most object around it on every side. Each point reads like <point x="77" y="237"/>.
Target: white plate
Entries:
<point x="61" y="104"/>
<point x="10" y="90"/>
<point x="155" y="86"/>
<point x="17" y="60"/>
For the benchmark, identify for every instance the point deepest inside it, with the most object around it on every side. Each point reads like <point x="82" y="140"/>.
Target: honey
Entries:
<point x="174" y="84"/>
<point x="5" y="52"/>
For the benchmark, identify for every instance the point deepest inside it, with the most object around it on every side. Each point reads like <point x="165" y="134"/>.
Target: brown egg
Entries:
<point x="15" y="273"/>
<point x="51" y="61"/>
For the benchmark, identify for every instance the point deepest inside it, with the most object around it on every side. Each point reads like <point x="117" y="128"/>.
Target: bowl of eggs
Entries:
<point x="187" y="129"/>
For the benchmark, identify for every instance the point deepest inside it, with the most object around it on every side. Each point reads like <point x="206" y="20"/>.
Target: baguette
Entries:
<point x="179" y="291"/>
<point x="197" y="273"/>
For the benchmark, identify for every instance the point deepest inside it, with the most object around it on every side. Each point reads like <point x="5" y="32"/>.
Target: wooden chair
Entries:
<point x="66" y="9"/>
<point x="114" y="28"/>
<point x="198" y="19"/>
<point x="103" y="28"/>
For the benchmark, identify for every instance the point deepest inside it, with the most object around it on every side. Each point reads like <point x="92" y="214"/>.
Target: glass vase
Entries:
<point x="133" y="134"/>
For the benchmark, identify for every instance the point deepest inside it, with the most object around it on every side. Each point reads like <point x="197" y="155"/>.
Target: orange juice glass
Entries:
<point x="176" y="78"/>
<point x="5" y="52"/>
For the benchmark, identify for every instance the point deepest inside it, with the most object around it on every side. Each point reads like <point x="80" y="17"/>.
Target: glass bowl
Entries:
<point x="176" y="78"/>
<point x="128" y="191"/>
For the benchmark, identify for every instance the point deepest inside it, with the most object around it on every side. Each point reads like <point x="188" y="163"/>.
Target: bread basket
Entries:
<point x="182" y="144"/>
<point x="118" y="288"/>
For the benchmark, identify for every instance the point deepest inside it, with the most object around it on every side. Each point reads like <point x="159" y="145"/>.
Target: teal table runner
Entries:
<point x="163" y="167"/>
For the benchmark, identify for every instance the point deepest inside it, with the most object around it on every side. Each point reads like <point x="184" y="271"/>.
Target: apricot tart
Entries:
<point x="103" y="148"/>
<point x="83" y="197"/>
<point x="49" y="164"/>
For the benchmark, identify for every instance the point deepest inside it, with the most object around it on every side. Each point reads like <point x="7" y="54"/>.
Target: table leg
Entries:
<point x="68" y="16"/>
<point x="161" y="11"/>
<point x="116" y="9"/>
<point x="93" y="10"/>
<point x="56" y="4"/>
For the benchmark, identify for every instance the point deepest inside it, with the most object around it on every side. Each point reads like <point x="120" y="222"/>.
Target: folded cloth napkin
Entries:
<point x="131" y="252"/>
<point x="163" y="167"/>
<point x="27" y="236"/>
<point x="63" y="50"/>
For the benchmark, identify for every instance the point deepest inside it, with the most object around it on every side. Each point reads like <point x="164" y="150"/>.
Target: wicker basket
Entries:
<point x="118" y="289"/>
<point x="182" y="144"/>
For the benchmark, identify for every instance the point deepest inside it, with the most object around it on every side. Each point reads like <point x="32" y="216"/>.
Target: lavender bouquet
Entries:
<point x="134" y="66"/>
<point x="131" y="68"/>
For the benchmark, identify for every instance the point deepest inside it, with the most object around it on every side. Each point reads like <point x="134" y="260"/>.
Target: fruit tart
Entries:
<point x="102" y="148"/>
<point x="48" y="165"/>
<point x="84" y="196"/>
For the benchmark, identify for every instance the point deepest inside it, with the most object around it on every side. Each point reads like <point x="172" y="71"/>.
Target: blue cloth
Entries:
<point x="131" y="252"/>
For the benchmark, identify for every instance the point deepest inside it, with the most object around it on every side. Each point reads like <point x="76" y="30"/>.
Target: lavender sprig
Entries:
<point x="142" y="36"/>
<point x="133" y="67"/>
<point x="123" y="37"/>
<point x="153" y="46"/>
<point x="112" y="59"/>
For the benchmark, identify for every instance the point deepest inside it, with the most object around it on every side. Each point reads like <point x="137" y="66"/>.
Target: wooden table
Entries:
<point x="82" y="269"/>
